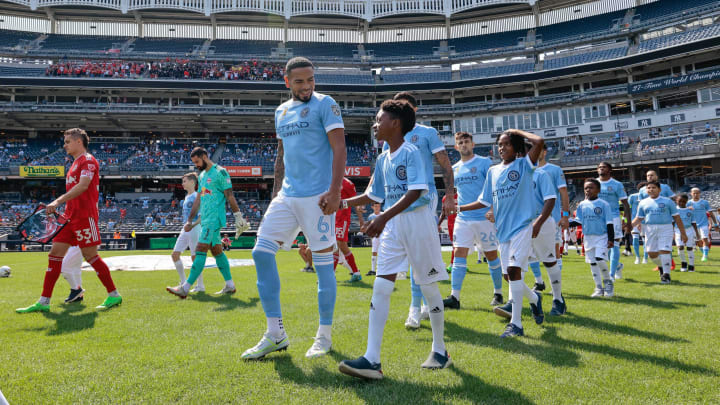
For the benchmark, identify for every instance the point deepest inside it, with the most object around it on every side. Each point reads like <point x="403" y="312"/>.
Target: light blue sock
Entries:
<point x="614" y="259"/>
<point x="535" y="267"/>
<point x="636" y="245"/>
<point x="197" y="267"/>
<point x="459" y="269"/>
<point x="223" y="266"/>
<point x="416" y="292"/>
<point x="327" y="286"/>
<point x="706" y="250"/>
<point x="559" y="264"/>
<point x="496" y="274"/>
<point x="268" y="280"/>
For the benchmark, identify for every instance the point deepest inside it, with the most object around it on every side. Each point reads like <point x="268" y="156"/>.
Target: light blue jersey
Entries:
<point x="558" y="179"/>
<point x="612" y="191"/>
<point x="594" y="215"/>
<point x="665" y="191"/>
<point x="686" y="215"/>
<point x="187" y="205"/>
<point x="634" y="201"/>
<point x="544" y="190"/>
<point x="700" y="209"/>
<point x="657" y="211"/>
<point x="426" y="139"/>
<point x="509" y="190"/>
<point x="469" y="181"/>
<point x="308" y="157"/>
<point x="395" y="174"/>
<point x="372" y="216"/>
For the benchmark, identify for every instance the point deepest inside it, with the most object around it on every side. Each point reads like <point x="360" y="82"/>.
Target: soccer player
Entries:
<point x="309" y="169"/>
<point x="188" y="240"/>
<point x="658" y="214"/>
<point x="508" y="190"/>
<point x="691" y="229"/>
<point x="665" y="190"/>
<point x="426" y="139"/>
<point x="451" y="227"/>
<point x="408" y="233"/>
<point x="700" y="209"/>
<point x="598" y="223"/>
<point x="342" y="228"/>
<point x="377" y="207"/>
<point x="215" y="192"/>
<point x="471" y="227"/>
<point x="634" y="201"/>
<point x="612" y="191"/>
<point x="81" y="197"/>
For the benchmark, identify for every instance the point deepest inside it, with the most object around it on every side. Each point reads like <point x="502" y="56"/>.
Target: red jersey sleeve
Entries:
<point x="348" y="189"/>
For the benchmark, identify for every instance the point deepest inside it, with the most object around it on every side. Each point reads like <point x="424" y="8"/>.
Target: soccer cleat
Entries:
<point x="497" y="300"/>
<point x="413" y="319"/>
<point x="437" y="361"/>
<point x="637" y="260"/>
<point x="537" y="310"/>
<point x="627" y="253"/>
<point x="665" y="278"/>
<point x="704" y="258"/>
<point x="76" y="295"/>
<point x="110" y="302"/>
<point x="424" y="313"/>
<point x="539" y="287"/>
<point x="354" y="278"/>
<point x="599" y="292"/>
<point x="504" y="311"/>
<point x="308" y="269"/>
<point x="402" y="275"/>
<point x="644" y="261"/>
<point x="226" y="290"/>
<point x="609" y="287"/>
<point x="178" y="291"/>
<point x="511" y="331"/>
<point x="451" y="302"/>
<point x="36" y="307"/>
<point x="558" y="308"/>
<point x="198" y="289"/>
<point x="265" y="346"/>
<point x="691" y="269"/>
<point x="361" y="368"/>
<point x="618" y="271"/>
<point x="370" y="273"/>
<point x="449" y="269"/>
<point x="320" y="347"/>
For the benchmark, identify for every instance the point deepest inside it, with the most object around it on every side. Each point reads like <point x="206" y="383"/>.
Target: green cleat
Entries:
<point x="36" y="307"/>
<point x="110" y="302"/>
<point x="354" y="278"/>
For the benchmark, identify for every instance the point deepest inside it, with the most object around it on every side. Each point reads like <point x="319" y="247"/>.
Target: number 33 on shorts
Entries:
<point x="84" y="235"/>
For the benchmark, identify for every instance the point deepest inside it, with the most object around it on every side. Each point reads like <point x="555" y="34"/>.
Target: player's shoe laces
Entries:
<point x="511" y="330"/>
<point x="110" y="302"/>
<point x="178" y="291"/>
<point x="497" y="300"/>
<point x="308" y="269"/>
<point x="537" y="310"/>
<point x="76" y="295"/>
<point x="504" y="311"/>
<point x="451" y="302"/>
<point x="665" y="278"/>
<point x="265" y="346"/>
<point x="198" y="289"/>
<point x="558" y="307"/>
<point x="226" y="290"/>
<point x="609" y="287"/>
<point x="437" y="361"/>
<point x="618" y="271"/>
<point x="539" y="287"/>
<point x="36" y="307"/>
<point x="370" y="273"/>
<point x="361" y="368"/>
<point x="599" y="292"/>
<point x="413" y="319"/>
<point x="424" y="313"/>
<point x="355" y="277"/>
<point x="320" y="347"/>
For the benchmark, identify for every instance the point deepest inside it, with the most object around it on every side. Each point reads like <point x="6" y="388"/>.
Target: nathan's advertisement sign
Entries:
<point x="683" y="80"/>
<point x="357" y="171"/>
<point x="244" y="171"/>
<point x="42" y="171"/>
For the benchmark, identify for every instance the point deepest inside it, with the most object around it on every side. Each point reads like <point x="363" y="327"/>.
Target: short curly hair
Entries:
<point x="402" y="110"/>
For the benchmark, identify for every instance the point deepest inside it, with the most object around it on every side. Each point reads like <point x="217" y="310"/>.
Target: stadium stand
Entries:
<point x="488" y="42"/>
<point x="410" y="76"/>
<point x="662" y="9"/>
<point x="580" y="28"/>
<point x="157" y="45"/>
<point x="343" y="76"/>
<point x="69" y="43"/>
<point x="235" y="47"/>
<point x="324" y="50"/>
<point x="480" y="71"/>
<point x="585" y="57"/>
<point x="10" y="39"/>
<point x="406" y="49"/>
<point x="25" y="71"/>
<point x="693" y="34"/>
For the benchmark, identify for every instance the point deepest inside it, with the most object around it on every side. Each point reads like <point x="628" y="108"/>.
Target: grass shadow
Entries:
<point x="649" y="302"/>
<point x="226" y="302"/>
<point x="68" y="321"/>
<point x="586" y="322"/>
<point x="674" y="283"/>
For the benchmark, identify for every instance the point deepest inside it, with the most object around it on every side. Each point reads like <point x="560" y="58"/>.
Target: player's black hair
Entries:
<point x="517" y="141"/>
<point x="641" y="184"/>
<point x="609" y="166"/>
<point x="297" y="63"/>
<point x="684" y="196"/>
<point x="655" y="183"/>
<point x="79" y="133"/>
<point x="593" y="181"/>
<point x="402" y="110"/>
<point x="463" y="135"/>
<point x="198" y="151"/>
<point x="407" y="96"/>
<point x="192" y="176"/>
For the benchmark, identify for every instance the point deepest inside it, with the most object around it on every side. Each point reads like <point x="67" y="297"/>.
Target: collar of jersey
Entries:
<point x="468" y="162"/>
<point x="391" y="155"/>
<point x="295" y="103"/>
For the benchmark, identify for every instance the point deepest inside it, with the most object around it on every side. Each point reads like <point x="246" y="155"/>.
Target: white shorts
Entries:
<point x="544" y="243"/>
<point x="617" y="227"/>
<point x="690" y="232"/>
<point x="480" y="233"/>
<point x="412" y="238"/>
<point x="286" y="216"/>
<point x="570" y="236"/>
<point x="188" y="240"/>
<point x="433" y="206"/>
<point x="558" y="233"/>
<point x="595" y="247"/>
<point x="515" y="252"/>
<point x="636" y="230"/>
<point x="375" y="244"/>
<point x="659" y="237"/>
<point x="704" y="232"/>
<point x="72" y="262"/>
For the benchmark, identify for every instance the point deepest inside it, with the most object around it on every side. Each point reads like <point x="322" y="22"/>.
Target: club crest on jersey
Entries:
<point x="610" y="189"/>
<point x="473" y="170"/>
<point x="514" y="175"/>
<point x="401" y="173"/>
<point x="414" y="139"/>
<point x="336" y="110"/>
<point x="597" y="211"/>
<point x="305" y="112"/>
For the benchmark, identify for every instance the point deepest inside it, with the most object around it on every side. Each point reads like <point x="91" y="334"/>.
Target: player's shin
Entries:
<point x="197" y="267"/>
<point x="51" y="276"/>
<point x="535" y="267"/>
<point x="103" y="273"/>
<point x="224" y="267"/>
<point x="431" y="292"/>
<point x="636" y="245"/>
<point x="496" y="274"/>
<point x="517" y="291"/>
<point x="268" y="280"/>
<point x="459" y="270"/>
<point x="379" y="309"/>
<point x="327" y="286"/>
<point x="614" y="259"/>
<point x="555" y="276"/>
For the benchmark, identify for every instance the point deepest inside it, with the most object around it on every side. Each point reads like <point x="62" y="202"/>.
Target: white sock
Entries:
<point x="530" y="294"/>
<point x="181" y="270"/>
<point x="657" y="260"/>
<point x="307" y="264"/>
<point x="681" y="255"/>
<point x="275" y="328"/>
<point x="200" y="283"/>
<point x="44" y="300"/>
<point x="666" y="260"/>
<point x="456" y="294"/>
<point x="596" y="275"/>
<point x="185" y="286"/>
<point x="603" y="266"/>
<point x="555" y="276"/>
<point x="324" y="330"/>
<point x="374" y="263"/>
<point x="538" y="279"/>
<point x="230" y="284"/>
<point x="74" y="284"/>
<point x="431" y="292"/>
<point x="379" y="309"/>
<point x="691" y="257"/>
<point x="517" y="290"/>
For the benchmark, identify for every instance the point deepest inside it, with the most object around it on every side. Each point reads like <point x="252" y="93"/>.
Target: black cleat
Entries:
<point x="691" y="268"/>
<point x="361" y="368"/>
<point x="558" y="308"/>
<point x="451" y="302"/>
<point x="537" y="310"/>
<point x="370" y="273"/>
<point x="504" y="311"/>
<point x="308" y="269"/>
<point x="665" y="278"/>
<point x="497" y="300"/>
<point x="76" y="295"/>
<point x="539" y="287"/>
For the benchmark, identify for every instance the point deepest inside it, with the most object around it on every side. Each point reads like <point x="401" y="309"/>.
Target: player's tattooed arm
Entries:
<point x="279" y="169"/>
<point x="449" y="181"/>
<point x="80" y="188"/>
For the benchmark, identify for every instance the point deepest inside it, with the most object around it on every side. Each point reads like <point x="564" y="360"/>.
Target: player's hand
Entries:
<point x="537" y="225"/>
<point x="698" y="242"/>
<point x="375" y="227"/>
<point x="188" y="227"/>
<point x="683" y="237"/>
<point x="490" y="216"/>
<point x="439" y="229"/>
<point x="52" y="207"/>
<point x="610" y="244"/>
<point x="241" y="225"/>
<point x="449" y="206"/>
<point x="564" y="223"/>
<point x="329" y="202"/>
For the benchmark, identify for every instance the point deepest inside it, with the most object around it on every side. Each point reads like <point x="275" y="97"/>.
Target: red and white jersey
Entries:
<point x="347" y="191"/>
<point x="84" y="205"/>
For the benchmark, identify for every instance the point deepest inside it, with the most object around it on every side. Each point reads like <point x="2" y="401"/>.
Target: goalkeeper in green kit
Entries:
<point x="215" y="189"/>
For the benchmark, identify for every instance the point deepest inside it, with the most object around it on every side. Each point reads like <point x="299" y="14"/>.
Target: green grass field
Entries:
<point x="650" y="344"/>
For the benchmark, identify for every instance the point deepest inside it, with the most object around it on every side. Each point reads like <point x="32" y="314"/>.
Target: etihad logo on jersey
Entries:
<point x="462" y="180"/>
<point x="505" y="192"/>
<point x="293" y="125"/>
